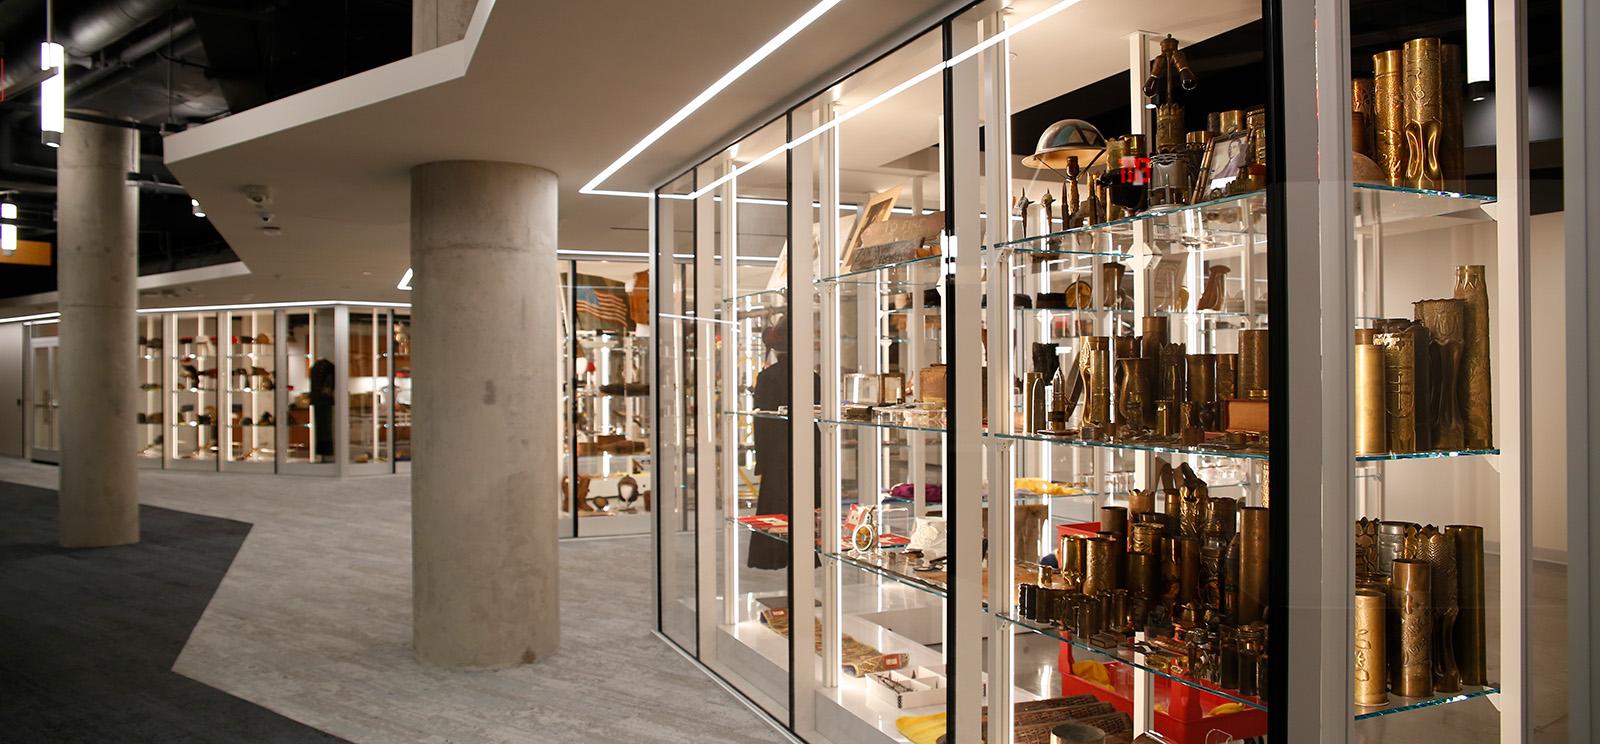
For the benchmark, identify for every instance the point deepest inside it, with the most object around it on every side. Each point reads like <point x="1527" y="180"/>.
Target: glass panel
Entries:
<point x="151" y="358"/>
<point x="400" y="346"/>
<point x="611" y="407"/>
<point x="751" y="372"/>
<point x="674" y="354"/>
<point x="1430" y="315"/>
<point x="252" y="386"/>
<point x="196" y="392"/>
<point x="309" y="353"/>
<point x="369" y="386"/>
<point x="1132" y="329"/>
<point x="46" y="399"/>
<point x="881" y="354"/>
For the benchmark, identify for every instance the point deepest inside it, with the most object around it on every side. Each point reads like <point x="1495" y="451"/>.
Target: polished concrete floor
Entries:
<point x="312" y="621"/>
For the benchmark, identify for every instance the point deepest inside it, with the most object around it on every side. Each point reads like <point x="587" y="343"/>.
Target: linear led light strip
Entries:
<point x="765" y="51"/>
<point x="834" y="123"/>
<point x="705" y="96"/>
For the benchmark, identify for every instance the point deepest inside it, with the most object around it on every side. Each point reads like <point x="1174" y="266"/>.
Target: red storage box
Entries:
<point x="1184" y="721"/>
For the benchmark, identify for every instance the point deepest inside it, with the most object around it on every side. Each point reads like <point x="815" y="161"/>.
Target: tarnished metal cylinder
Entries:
<point x="1470" y="630"/>
<point x="1388" y="114"/>
<point x="1452" y="142"/>
<point x="1371" y="673"/>
<point x="1445" y="321"/>
<point x="1361" y="125"/>
<point x="1410" y="628"/>
<point x="1095" y="366"/>
<point x="1074" y="558"/>
<point x="1188" y="569"/>
<point x="1372" y="429"/>
<point x="1254" y="547"/>
<point x="1141" y="501"/>
<point x="1254" y="365"/>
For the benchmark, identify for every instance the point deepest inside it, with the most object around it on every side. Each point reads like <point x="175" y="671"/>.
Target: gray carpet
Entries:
<point x="88" y="638"/>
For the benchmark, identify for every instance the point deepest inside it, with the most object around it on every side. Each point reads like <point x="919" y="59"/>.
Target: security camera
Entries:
<point x="266" y="218"/>
<point x="259" y="196"/>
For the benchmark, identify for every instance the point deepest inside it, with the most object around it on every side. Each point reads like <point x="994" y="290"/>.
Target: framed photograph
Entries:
<point x="877" y="209"/>
<point x="1224" y="162"/>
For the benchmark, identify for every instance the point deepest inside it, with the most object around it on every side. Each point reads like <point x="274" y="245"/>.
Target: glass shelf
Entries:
<point x="755" y="294"/>
<point x="1178" y="449"/>
<point x="1429" y="455"/>
<point x="876" y="425"/>
<point x="1396" y="204"/>
<point x="1166" y="218"/>
<point x="877" y="565"/>
<point x="757" y="530"/>
<point x="870" y="275"/>
<point x="1125" y="655"/>
<point x="1400" y="704"/>
<point x="773" y="415"/>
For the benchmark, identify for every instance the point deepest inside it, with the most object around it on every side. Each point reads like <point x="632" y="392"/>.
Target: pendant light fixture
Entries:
<point x="53" y="92"/>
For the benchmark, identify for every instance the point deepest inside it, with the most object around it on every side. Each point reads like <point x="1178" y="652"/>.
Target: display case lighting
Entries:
<point x="8" y="229"/>
<point x="52" y="93"/>
<point x="1478" y="46"/>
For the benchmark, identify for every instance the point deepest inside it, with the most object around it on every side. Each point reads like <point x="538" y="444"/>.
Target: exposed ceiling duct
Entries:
<point x="83" y="34"/>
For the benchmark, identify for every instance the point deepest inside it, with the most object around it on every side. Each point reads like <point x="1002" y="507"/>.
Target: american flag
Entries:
<point x="602" y="300"/>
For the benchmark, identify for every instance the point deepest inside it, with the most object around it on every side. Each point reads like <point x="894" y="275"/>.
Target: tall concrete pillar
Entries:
<point x="97" y="256"/>
<point x="435" y="23"/>
<point x="484" y="474"/>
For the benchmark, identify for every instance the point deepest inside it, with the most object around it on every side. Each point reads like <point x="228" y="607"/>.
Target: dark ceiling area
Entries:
<point x="161" y="66"/>
<point x="1232" y="75"/>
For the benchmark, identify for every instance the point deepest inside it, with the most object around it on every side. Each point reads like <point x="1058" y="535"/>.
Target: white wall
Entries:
<point x="1421" y="266"/>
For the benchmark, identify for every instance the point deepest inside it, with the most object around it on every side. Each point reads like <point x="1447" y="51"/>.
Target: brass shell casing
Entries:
<point x="1221" y="518"/>
<point x="1475" y="391"/>
<point x="1144" y="574"/>
<point x="1100" y="574"/>
<point x="1361" y="126"/>
<point x="1201" y="369"/>
<point x="1114" y="519"/>
<point x="1227" y="376"/>
<point x="1470" y="630"/>
<point x="1188" y="569"/>
<point x="1095" y="366"/>
<point x="1169" y="128"/>
<point x="1256" y="120"/>
<point x="1254" y="554"/>
<point x="1392" y="536"/>
<point x="1365" y="336"/>
<point x="1143" y="537"/>
<point x="1074" y="556"/>
<point x="1371" y="672"/>
<point x="1424" y="107"/>
<point x="1170" y="373"/>
<point x="1134" y="398"/>
<point x="1141" y="501"/>
<point x="1411" y="628"/>
<point x="1372" y="429"/>
<point x="1229" y="122"/>
<point x="1400" y="358"/>
<point x="1154" y="329"/>
<point x="1366" y="549"/>
<point x="1254" y="365"/>
<point x="1445" y="321"/>
<point x="1452" y="142"/>
<point x="1439" y="550"/>
<point x="1388" y="115"/>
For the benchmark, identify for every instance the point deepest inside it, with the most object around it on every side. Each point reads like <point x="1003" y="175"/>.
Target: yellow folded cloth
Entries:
<point x="1092" y="672"/>
<point x="921" y="729"/>
<point x="1225" y="709"/>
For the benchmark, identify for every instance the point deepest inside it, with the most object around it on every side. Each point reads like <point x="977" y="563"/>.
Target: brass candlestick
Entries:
<point x="1475" y="393"/>
<point x="1424" y="89"/>
<point x="1371" y="675"/>
<point x="1388" y="107"/>
<point x="1470" y="639"/>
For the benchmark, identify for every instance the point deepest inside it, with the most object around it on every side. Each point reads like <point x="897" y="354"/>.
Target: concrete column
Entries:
<point x="435" y="23"/>
<point x="484" y="475"/>
<point x="97" y="271"/>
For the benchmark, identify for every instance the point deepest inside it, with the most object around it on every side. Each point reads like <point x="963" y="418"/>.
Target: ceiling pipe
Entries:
<point x="132" y="55"/>
<point x="86" y="34"/>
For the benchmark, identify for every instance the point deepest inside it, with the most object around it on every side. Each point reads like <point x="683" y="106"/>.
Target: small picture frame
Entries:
<point x="1223" y="163"/>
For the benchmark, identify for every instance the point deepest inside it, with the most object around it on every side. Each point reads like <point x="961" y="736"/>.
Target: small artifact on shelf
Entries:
<point x="1445" y="321"/>
<point x="1370" y="673"/>
<point x="1389" y="117"/>
<point x="1475" y="391"/>
<point x="1371" y="424"/>
<point x="1470" y="637"/>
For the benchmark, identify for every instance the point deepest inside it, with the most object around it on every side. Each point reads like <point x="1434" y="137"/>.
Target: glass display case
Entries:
<point x="369" y="394"/>
<point x="1069" y="314"/>
<point x="311" y="379"/>
<point x="605" y="417"/>
<point x="42" y="376"/>
<point x="152" y="365"/>
<point x="252" y="390"/>
<point x="197" y="395"/>
<point x="401" y="344"/>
